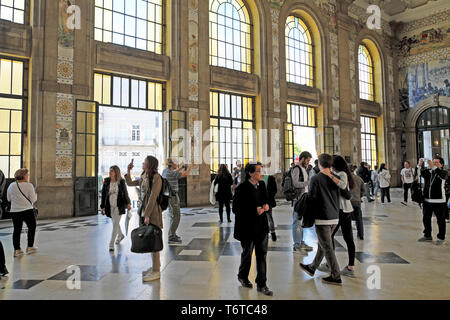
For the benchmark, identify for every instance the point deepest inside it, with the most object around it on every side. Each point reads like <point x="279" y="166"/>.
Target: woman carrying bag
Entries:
<point x="150" y="212"/>
<point x="115" y="201"/>
<point x="22" y="196"/>
<point x="223" y="182"/>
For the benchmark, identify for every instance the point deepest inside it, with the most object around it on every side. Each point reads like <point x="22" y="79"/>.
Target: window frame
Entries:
<point x="231" y="119"/>
<point x="373" y="162"/>
<point x="370" y="66"/>
<point x="161" y="23"/>
<point x="130" y="78"/>
<point x="312" y="67"/>
<point x="249" y="65"/>
<point x="24" y="112"/>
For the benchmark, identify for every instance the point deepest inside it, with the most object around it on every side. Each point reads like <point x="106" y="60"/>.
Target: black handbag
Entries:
<point x="345" y="194"/>
<point x="35" y="211"/>
<point x="147" y="238"/>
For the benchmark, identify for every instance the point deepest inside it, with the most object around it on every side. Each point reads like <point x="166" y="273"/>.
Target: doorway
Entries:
<point x="127" y="134"/>
<point x="433" y="134"/>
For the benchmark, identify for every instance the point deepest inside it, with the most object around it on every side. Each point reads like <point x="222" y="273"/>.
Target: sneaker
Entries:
<point x="151" y="277"/>
<point x="361" y="238"/>
<point x="229" y="221"/>
<point x="297" y="249"/>
<point x="119" y="239"/>
<point x="4" y="271"/>
<point x="404" y="203"/>
<point x="330" y="280"/>
<point x="425" y="239"/>
<point x="111" y="247"/>
<point x="31" y="250"/>
<point x="348" y="273"/>
<point x="371" y="200"/>
<point x="305" y="247"/>
<point x="324" y="268"/>
<point x="310" y="271"/>
<point x="245" y="283"/>
<point x="265" y="290"/>
<point x="175" y="240"/>
<point x="148" y="271"/>
<point x="274" y="236"/>
<point x="439" y="242"/>
<point x="18" y="253"/>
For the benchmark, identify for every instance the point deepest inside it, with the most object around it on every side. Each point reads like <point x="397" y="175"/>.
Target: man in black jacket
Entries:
<point x="435" y="199"/>
<point x="364" y="173"/>
<point x="324" y="193"/>
<point x="250" y="204"/>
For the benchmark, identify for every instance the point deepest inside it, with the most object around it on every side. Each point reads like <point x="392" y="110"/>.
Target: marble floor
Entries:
<point x="205" y="265"/>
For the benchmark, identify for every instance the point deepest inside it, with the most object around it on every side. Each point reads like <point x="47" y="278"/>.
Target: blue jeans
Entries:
<point x="297" y="230"/>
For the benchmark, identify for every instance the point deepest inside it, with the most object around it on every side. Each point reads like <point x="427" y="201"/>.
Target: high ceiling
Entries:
<point x="406" y="10"/>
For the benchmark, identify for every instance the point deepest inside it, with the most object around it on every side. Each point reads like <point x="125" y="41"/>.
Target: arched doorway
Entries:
<point x="433" y="134"/>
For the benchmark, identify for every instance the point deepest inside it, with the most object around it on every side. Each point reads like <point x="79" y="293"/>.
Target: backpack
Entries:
<point x="305" y="209"/>
<point x="287" y="186"/>
<point x="164" y="194"/>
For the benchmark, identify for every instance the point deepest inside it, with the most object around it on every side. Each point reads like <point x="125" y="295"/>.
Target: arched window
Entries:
<point x="132" y="23"/>
<point x="365" y="67"/>
<point x="230" y="35"/>
<point x="299" y="55"/>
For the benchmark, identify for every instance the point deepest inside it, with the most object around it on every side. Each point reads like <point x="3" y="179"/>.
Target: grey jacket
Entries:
<point x="358" y="191"/>
<point x="298" y="183"/>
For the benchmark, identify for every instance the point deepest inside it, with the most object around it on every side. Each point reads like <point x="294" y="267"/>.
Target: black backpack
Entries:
<point x="164" y="194"/>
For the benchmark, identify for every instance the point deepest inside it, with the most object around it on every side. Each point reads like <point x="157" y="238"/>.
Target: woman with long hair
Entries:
<point x="384" y="178"/>
<point x="223" y="195"/>
<point x="344" y="180"/>
<point x="149" y="210"/>
<point x="115" y="201"/>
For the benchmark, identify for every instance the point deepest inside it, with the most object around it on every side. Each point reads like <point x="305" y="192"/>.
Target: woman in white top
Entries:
<point x="345" y="182"/>
<point x="22" y="196"/>
<point x="384" y="178"/>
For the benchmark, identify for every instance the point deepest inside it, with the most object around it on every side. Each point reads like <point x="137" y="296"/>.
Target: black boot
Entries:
<point x="274" y="236"/>
<point x="3" y="271"/>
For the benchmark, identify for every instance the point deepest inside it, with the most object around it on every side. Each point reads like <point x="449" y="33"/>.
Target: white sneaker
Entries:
<point x="119" y="239"/>
<point x="31" y="250"/>
<point x="18" y="253"/>
<point x="148" y="271"/>
<point x="151" y="277"/>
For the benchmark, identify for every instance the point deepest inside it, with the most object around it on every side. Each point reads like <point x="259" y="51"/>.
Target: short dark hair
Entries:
<point x="304" y="155"/>
<point x="251" y="168"/>
<point x="316" y="162"/>
<point x="363" y="164"/>
<point x="441" y="160"/>
<point x="325" y="160"/>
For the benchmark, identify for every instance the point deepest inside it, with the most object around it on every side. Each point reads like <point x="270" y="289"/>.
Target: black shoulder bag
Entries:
<point x="35" y="211"/>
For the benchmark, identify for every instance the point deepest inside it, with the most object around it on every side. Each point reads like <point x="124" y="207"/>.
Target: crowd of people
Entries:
<point x="334" y="188"/>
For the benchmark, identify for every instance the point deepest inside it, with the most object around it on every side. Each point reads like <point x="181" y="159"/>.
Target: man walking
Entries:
<point x="435" y="200"/>
<point x="300" y="182"/>
<point x="364" y="173"/>
<point x="324" y="194"/>
<point x="407" y="174"/>
<point x="172" y="173"/>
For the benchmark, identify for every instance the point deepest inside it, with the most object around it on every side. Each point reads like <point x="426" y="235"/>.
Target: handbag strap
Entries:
<point x="24" y="194"/>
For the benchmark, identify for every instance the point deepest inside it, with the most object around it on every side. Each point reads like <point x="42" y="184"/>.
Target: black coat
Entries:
<point x="224" y="191"/>
<point x="249" y="226"/>
<point x="122" y="198"/>
<point x="272" y="191"/>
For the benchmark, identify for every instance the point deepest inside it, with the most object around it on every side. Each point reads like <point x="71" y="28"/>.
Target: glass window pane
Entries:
<point x="16" y="144"/>
<point x="4" y="120"/>
<point x="16" y="121"/>
<point x="4" y="145"/>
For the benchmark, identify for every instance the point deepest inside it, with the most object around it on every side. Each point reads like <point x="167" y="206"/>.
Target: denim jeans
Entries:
<point x="325" y="249"/>
<point x="297" y="230"/>
<point x="385" y="192"/>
